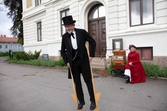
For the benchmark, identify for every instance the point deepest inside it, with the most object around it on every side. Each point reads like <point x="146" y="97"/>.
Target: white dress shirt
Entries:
<point x="74" y="41"/>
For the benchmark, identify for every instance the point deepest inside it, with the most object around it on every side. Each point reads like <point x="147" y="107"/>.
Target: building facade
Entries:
<point x="9" y="43"/>
<point x="114" y="24"/>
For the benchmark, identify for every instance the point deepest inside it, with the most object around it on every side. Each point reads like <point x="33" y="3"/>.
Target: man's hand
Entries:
<point x="68" y="65"/>
<point x="90" y="59"/>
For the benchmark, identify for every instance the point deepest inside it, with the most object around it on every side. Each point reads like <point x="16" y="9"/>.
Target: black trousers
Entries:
<point x="76" y="71"/>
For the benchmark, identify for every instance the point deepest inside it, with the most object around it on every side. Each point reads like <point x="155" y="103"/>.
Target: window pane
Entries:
<point x="63" y="14"/>
<point x="67" y="12"/>
<point x="101" y="11"/>
<point x="64" y="30"/>
<point x="94" y="13"/>
<point x="135" y="12"/>
<point x="147" y="53"/>
<point x="147" y="11"/>
<point x="39" y="35"/>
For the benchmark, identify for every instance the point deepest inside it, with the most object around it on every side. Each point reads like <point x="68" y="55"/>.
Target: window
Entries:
<point x="141" y="12"/>
<point x="39" y="31"/>
<point x="98" y="11"/>
<point x="0" y="46"/>
<point x="37" y="2"/>
<point x="117" y="44"/>
<point x="6" y="46"/>
<point x="63" y="14"/>
<point x="146" y="53"/>
<point x="14" y="46"/>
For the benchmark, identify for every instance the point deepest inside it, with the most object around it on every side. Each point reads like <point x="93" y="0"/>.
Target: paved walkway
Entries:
<point x="32" y="88"/>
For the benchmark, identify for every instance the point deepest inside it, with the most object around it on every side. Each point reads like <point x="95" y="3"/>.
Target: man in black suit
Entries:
<point x="75" y="55"/>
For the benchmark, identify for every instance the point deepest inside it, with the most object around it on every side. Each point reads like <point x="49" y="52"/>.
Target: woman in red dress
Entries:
<point x="134" y="71"/>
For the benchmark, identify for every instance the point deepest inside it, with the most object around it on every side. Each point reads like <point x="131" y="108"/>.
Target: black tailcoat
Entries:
<point x="82" y="37"/>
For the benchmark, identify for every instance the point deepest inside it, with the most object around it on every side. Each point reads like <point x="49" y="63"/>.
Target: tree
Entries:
<point x="15" y="13"/>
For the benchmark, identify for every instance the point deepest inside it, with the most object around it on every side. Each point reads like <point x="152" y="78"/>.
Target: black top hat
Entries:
<point x="68" y="20"/>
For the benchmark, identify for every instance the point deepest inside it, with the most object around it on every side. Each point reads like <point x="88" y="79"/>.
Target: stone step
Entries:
<point x="98" y="67"/>
<point x="98" y="63"/>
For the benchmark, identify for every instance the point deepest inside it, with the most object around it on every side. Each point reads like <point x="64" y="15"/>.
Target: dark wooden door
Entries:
<point x="97" y="29"/>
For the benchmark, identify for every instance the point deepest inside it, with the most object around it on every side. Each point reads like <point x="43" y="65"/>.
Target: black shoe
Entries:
<point x="80" y="105"/>
<point x="126" y="77"/>
<point x="92" y="106"/>
<point x="128" y="80"/>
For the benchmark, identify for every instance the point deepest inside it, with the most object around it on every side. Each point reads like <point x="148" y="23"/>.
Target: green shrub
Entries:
<point x="152" y="70"/>
<point x="110" y="69"/>
<point x="4" y="54"/>
<point x="60" y="62"/>
<point x="27" y="56"/>
<point x="36" y="54"/>
<point x="20" y="55"/>
<point x="48" y="63"/>
<point x="36" y="62"/>
<point x="163" y="72"/>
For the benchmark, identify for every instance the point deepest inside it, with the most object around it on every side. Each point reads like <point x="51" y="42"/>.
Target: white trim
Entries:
<point x="134" y="32"/>
<point x="84" y="10"/>
<point x="30" y="13"/>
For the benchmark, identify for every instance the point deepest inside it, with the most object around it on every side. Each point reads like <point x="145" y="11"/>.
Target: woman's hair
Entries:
<point x="130" y="46"/>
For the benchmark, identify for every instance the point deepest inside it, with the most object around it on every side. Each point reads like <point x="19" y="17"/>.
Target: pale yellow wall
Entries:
<point x="29" y="3"/>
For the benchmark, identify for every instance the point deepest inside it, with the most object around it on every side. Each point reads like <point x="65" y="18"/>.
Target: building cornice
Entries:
<point x="50" y="2"/>
<point x="136" y="32"/>
<point x="43" y="43"/>
<point x="34" y="11"/>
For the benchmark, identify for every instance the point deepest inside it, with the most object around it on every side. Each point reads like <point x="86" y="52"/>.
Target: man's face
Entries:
<point x="69" y="28"/>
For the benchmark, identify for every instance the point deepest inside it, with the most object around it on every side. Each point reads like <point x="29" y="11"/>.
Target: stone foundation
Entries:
<point x="52" y="58"/>
<point x="158" y="60"/>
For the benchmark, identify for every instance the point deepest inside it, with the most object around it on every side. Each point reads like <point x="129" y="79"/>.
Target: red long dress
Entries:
<point x="137" y="71"/>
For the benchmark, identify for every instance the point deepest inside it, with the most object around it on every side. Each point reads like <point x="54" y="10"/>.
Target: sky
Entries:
<point x="5" y="22"/>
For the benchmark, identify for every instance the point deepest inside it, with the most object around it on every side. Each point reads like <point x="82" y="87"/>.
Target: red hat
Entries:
<point x="130" y="46"/>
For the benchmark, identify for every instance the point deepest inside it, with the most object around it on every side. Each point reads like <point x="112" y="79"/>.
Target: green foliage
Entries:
<point x="47" y="63"/>
<point x="155" y="70"/>
<point x="27" y="56"/>
<point x="4" y="54"/>
<point x="20" y="40"/>
<point x="110" y="69"/>
<point x="37" y="62"/>
<point x="15" y="13"/>
<point x="163" y="72"/>
<point x="36" y="54"/>
<point x="60" y="62"/>
<point x="20" y="55"/>
<point x="151" y="70"/>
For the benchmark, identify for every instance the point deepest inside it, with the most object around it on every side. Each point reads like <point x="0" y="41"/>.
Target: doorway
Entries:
<point x="97" y="28"/>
